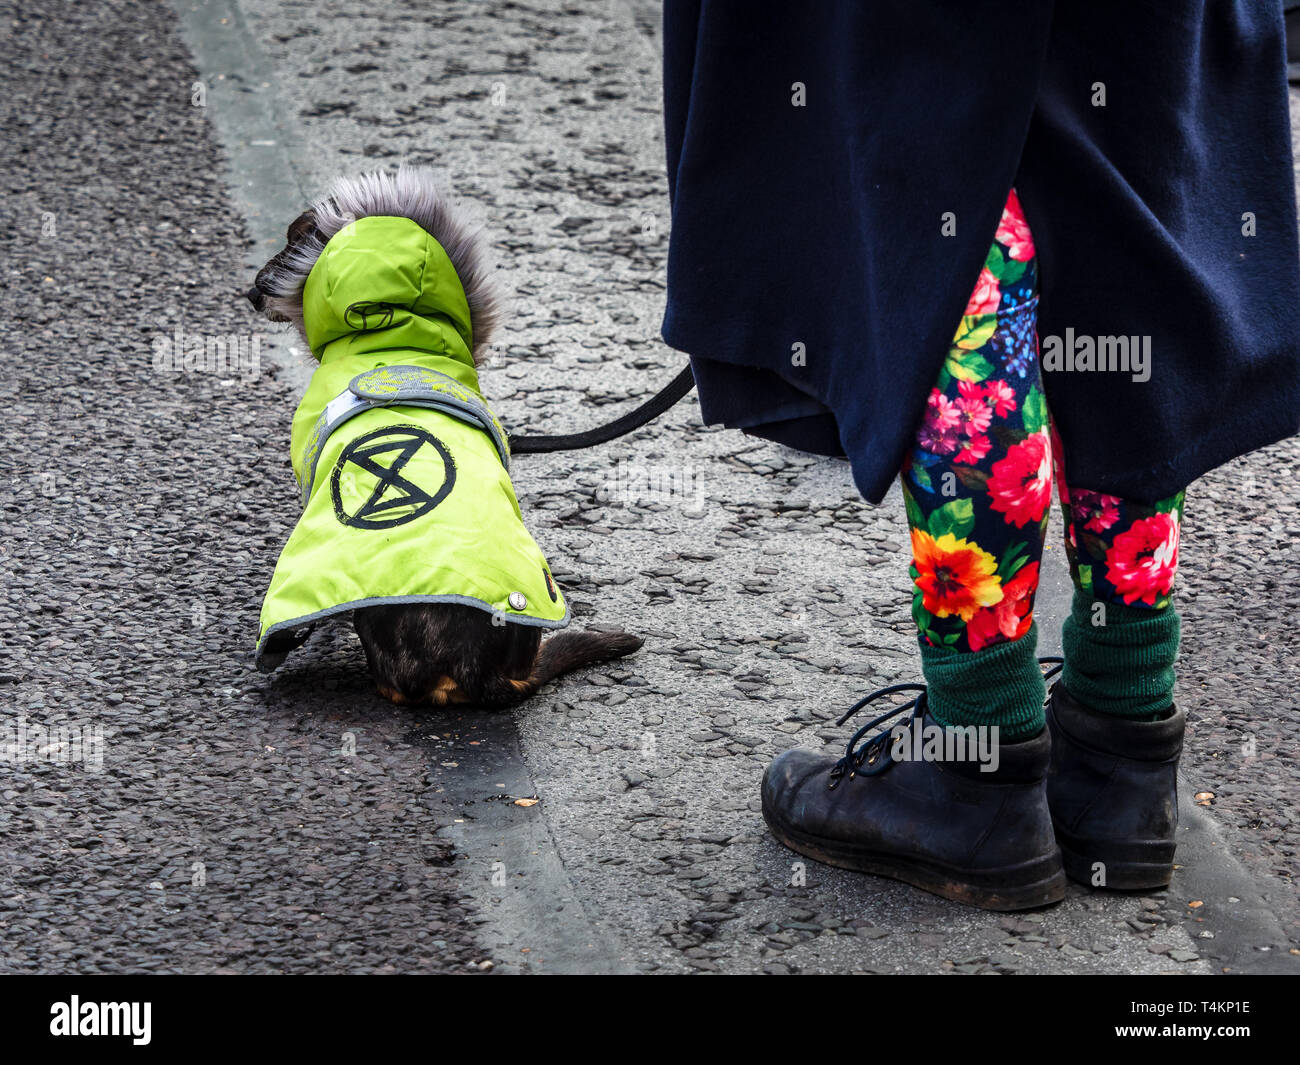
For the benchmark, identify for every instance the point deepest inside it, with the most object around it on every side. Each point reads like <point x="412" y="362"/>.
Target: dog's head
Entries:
<point x="410" y="193"/>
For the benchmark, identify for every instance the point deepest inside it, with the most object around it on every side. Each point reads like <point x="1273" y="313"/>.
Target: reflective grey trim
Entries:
<point x="267" y="663"/>
<point x="401" y="386"/>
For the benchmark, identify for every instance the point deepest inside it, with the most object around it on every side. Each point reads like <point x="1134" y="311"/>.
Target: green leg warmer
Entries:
<point x="1001" y="685"/>
<point x="1120" y="659"/>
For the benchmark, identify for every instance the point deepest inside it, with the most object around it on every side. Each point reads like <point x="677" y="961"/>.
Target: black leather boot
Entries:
<point x="942" y="824"/>
<point x="1113" y="792"/>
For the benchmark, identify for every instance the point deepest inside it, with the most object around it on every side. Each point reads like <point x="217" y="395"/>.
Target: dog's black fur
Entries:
<point x="437" y="652"/>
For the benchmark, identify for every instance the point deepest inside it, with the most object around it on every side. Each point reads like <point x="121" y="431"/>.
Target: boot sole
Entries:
<point x="1025" y="886"/>
<point x="1122" y="874"/>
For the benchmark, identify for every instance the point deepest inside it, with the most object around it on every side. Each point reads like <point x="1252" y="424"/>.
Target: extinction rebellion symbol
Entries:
<point x="378" y="461"/>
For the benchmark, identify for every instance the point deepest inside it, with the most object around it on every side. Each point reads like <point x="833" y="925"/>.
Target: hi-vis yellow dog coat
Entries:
<point x="403" y="467"/>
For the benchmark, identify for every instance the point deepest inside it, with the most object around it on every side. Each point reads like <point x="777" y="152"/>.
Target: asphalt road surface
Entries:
<point x="175" y="811"/>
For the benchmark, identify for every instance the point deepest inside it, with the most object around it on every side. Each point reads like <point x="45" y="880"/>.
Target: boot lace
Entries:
<point x="873" y="756"/>
<point x="869" y="758"/>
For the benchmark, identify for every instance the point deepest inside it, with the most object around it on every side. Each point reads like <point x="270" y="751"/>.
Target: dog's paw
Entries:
<point x="391" y="694"/>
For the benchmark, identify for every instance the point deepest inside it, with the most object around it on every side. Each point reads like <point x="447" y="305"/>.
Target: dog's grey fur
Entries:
<point x="414" y="193"/>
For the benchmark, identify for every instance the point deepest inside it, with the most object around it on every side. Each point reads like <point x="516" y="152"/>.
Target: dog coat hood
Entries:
<point x="403" y="467"/>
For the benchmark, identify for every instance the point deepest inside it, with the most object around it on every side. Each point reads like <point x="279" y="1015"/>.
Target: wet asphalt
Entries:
<point x="225" y="828"/>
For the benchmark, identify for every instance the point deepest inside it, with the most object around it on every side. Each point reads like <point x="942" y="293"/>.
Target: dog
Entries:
<point x="385" y="270"/>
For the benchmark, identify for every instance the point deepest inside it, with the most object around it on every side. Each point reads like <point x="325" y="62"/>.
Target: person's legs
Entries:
<point x="978" y="485"/>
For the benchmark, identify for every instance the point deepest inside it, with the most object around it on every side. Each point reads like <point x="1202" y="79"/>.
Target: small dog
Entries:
<point x="459" y="645"/>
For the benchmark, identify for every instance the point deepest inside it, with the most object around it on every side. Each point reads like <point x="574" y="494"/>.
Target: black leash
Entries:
<point x="529" y="444"/>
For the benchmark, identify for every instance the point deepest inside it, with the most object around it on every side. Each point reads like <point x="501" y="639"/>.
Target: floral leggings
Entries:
<point x="978" y="480"/>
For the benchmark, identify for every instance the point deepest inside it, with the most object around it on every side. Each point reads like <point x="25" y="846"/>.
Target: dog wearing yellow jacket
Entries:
<point x="410" y="522"/>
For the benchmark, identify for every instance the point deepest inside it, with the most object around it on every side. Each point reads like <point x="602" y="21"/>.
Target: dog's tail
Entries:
<point x="568" y="651"/>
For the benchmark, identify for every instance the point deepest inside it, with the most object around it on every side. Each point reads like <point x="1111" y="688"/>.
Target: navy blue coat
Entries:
<point x="822" y="225"/>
